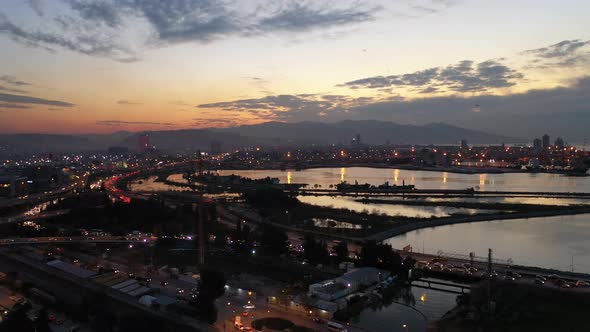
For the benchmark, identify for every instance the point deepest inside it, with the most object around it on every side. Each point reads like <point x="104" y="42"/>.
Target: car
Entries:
<point x="566" y="285"/>
<point x="164" y="283"/>
<point x="180" y="291"/>
<point x="51" y="318"/>
<point x="238" y="325"/>
<point x="246" y="328"/>
<point x="540" y="278"/>
<point x="249" y="306"/>
<point x="245" y="313"/>
<point x="318" y="320"/>
<point x="509" y="278"/>
<point x="539" y="282"/>
<point x="581" y="283"/>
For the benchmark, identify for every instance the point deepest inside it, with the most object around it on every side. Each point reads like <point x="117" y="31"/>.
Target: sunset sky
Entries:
<point x="511" y="67"/>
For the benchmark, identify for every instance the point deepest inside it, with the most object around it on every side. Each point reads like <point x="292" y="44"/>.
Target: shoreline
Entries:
<point x="455" y="170"/>
<point x="382" y="236"/>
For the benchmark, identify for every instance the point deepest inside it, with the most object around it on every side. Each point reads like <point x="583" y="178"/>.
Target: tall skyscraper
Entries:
<point x="143" y="142"/>
<point x="546" y="141"/>
<point x="215" y="147"/>
<point x="559" y="142"/>
<point x="537" y="144"/>
<point x="464" y="145"/>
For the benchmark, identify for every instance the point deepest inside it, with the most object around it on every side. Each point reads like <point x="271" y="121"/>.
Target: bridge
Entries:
<point x="435" y="285"/>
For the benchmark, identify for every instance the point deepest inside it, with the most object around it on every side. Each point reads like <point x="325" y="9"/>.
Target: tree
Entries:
<point x="273" y="240"/>
<point x="381" y="256"/>
<point x="42" y="321"/>
<point x="212" y="286"/>
<point x="341" y="251"/>
<point x="17" y="321"/>
<point x="315" y="251"/>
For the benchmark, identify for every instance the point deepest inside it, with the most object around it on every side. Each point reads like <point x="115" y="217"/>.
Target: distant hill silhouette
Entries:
<point x="265" y="134"/>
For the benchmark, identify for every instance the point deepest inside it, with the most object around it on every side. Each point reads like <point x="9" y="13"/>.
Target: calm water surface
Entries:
<point x="426" y="179"/>
<point x="546" y="242"/>
<point x="431" y="303"/>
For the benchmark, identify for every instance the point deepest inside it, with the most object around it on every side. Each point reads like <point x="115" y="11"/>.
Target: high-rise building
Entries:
<point x="537" y="144"/>
<point x="143" y="142"/>
<point x="356" y="140"/>
<point x="546" y="141"/>
<point x="215" y="147"/>
<point x="464" y="145"/>
<point x="559" y="142"/>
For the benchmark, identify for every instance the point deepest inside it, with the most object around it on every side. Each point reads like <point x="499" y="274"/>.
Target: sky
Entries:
<point x="510" y="67"/>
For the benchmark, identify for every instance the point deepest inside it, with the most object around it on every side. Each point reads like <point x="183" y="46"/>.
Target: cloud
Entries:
<point x="15" y="106"/>
<point x="302" y="17"/>
<point x="95" y="27"/>
<point x="134" y="123"/>
<point x="562" y="49"/>
<point x="14" y="83"/>
<point x="9" y="98"/>
<point x="291" y="107"/>
<point x="13" y="90"/>
<point x="37" y="6"/>
<point x="179" y="103"/>
<point x="97" y="11"/>
<point x="464" y="76"/>
<point x="561" y="111"/>
<point x="127" y="102"/>
<point x="566" y="53"/>
<point x="13" y="80"/>
<point x="81" y="39"/>
<point x="217" y="122"/>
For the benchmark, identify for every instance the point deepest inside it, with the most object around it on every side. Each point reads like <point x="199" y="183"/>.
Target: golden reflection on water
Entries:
<point x="396" y="175"/>
<point x="483" y="178"/>
<point x="289" y="177"/>
<point x="342" y="174"/>
<point x="445" y="177"/>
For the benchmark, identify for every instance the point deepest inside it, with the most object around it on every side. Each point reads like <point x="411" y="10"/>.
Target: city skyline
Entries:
<point x="106" y="66"/>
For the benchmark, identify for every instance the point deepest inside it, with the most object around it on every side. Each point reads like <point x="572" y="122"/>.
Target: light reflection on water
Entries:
<point x="427" y="179"/>
<point x="432" y="303"/>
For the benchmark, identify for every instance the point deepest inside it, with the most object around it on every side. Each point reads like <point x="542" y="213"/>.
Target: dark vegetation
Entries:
<point x="278" y="206"/>
<point x="519" y="307"/>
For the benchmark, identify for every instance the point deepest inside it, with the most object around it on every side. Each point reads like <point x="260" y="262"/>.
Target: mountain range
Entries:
<point x="264" y="134"/>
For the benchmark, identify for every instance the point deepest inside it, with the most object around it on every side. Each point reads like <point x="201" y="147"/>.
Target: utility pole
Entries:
<point x="489" y="278"/>
<point x="201" y="231"/>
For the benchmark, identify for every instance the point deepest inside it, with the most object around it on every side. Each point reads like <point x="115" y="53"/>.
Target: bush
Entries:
<point x="272" y="323"/>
